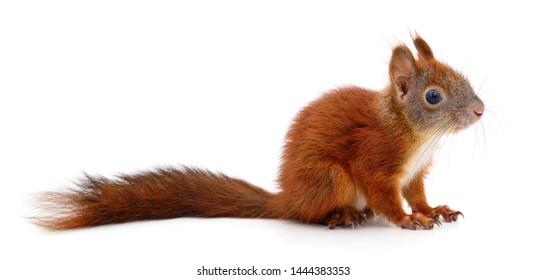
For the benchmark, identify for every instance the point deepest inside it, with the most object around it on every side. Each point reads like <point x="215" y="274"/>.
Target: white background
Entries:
<point x="108" y="87"/>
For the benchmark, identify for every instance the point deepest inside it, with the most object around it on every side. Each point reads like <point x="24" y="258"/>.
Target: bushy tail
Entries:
<point x="162" y="194"/>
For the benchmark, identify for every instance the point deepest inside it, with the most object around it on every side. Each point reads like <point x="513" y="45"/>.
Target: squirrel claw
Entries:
<point x="452" y="217"/>
<point x="348" y="217"/>
<point x="447" y="213"/>
<point x="418" y="221"/>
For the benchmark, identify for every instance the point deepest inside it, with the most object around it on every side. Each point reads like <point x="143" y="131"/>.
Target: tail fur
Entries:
<point x="162" y="194"/>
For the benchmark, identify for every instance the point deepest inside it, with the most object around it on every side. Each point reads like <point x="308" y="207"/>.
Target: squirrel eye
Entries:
<point x="433" y="96"/>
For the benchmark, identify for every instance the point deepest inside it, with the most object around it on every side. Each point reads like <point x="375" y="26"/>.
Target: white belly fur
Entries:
<point x="360" y="201"/>
<point x="422" y="156"/>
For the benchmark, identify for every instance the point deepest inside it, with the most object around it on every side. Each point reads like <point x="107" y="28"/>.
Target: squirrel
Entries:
<point x="350" y="154"/>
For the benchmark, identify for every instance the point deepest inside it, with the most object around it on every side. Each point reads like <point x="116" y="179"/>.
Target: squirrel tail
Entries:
<point x="162" y="194"/>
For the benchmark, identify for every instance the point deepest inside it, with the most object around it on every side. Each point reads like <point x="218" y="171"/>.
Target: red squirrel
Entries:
<point x="350" y="154"/>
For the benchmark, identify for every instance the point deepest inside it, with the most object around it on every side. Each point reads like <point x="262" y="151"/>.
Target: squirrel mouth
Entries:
<point x="466" y="119"/>
<point x="465" y="124"/>
<point x="462" y="124"/>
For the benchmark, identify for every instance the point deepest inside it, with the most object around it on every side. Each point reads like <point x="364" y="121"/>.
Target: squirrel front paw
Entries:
<point x="449" y="215"/>
<point x="418" y="220"/>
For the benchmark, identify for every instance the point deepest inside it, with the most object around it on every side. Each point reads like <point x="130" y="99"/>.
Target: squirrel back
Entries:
<point x="348" y="155"/>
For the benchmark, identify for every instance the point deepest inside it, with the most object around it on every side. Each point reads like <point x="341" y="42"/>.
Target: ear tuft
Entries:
<point x="423" y="49"/>
<point x="402" y="68"/>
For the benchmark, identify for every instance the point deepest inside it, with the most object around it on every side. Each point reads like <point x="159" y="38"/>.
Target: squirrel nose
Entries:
<point x="479" y="108"/>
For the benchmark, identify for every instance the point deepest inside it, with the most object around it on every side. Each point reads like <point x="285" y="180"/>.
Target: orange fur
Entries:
<point x="163" y="194"/>
<point x="353" y="152"/>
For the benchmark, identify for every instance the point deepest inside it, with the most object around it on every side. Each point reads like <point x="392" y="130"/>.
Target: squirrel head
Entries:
<point x="434" y="97"/>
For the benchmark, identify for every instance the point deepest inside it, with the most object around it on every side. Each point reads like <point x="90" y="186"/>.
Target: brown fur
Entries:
<point x="346" y="155"/>
<point x="163" y="194"/>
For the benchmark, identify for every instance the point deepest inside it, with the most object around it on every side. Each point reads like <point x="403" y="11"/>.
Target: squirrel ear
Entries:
<point x="402" y="68"/>
<point x="423" y="49"/>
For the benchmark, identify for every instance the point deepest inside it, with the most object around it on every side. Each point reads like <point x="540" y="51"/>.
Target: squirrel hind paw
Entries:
<point x="346" y="216"/>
